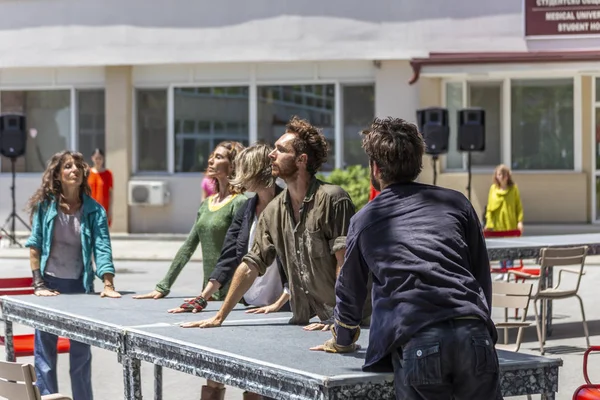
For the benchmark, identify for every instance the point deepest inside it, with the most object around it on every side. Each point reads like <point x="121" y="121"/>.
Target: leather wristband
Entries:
<point x="38" y="281"/>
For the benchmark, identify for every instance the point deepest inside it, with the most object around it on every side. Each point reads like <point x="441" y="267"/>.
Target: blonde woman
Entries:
<point x="504" y="211"/>
<point x="214" y="217"/>
<point x="269" y="292"/>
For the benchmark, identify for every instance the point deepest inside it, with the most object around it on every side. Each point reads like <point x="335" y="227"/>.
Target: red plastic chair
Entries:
<point x="23" y="344"/>
<point x="589" y="391"/>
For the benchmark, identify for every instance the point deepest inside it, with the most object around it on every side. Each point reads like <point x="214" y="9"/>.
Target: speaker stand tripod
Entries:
<point x="469" y="175"/>
<point x="434" y="160"/>
<point x="13" y="215"/>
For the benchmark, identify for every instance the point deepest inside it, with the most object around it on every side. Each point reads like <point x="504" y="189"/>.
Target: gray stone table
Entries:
<point x="528" y="247"/>
<point x="259" y="353"/>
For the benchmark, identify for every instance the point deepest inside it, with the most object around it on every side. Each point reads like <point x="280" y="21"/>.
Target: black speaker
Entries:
<point x="471" y="129"/>
<point x="433" y="124"/>
<point x="13" y="136"/>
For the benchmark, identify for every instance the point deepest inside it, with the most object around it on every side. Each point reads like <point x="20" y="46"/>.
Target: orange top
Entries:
<point x="101" y="184"/>
<point x="373" y="193"/>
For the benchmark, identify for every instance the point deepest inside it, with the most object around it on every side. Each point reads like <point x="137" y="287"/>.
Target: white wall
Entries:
<point x="91" y="32"/>
<point x="176" y="217"/>
<point x="394" y="97"/>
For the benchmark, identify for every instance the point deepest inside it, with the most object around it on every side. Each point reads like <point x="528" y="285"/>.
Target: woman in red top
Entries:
<point x="100" y="180"/>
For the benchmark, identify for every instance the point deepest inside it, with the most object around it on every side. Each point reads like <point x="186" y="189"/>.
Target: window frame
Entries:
<point x="253" y="84"/>
<point x="506" y="138"/>
<point x="74" y="110"/>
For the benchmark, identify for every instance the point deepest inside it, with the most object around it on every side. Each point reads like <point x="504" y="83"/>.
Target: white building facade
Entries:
<point x="157" y="85"/>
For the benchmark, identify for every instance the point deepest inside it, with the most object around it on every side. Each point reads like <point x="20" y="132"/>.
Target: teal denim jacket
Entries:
<point x="95" y="239"/>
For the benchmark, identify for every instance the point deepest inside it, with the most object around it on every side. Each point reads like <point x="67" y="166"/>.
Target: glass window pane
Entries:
<point x="359" y="111"/>
<point x="215" y="115"/>
<point x="151" y="129"/>
<point x="90" y="122"/>
<point x="454" y="102"/>
<point x="275" y="110"/>
<point x="542" y="124"/>
<point x="48" y="111"/>
<point x="597" y="198"/>
<point x="597" y="140"/>
<point x="488" y="95"/>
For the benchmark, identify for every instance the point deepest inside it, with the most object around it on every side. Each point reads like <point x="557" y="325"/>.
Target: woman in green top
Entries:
<point x="213" y="220"/>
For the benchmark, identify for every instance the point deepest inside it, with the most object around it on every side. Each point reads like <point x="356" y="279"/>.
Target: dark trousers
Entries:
<point x="454" y="360"/>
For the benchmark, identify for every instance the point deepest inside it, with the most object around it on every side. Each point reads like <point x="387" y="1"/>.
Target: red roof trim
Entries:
<point x="499" y="58"/>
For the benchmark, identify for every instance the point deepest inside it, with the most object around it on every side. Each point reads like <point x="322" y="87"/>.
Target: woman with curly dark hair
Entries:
<point x="68" y="228"/>
<point x="214" y="218"/>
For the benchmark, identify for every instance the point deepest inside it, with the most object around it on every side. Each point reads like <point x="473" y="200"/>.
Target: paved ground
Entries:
<point x="567" y="341"/>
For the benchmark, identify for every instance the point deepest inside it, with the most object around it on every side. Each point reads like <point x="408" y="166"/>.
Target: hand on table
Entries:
<point x="318" y="326"/>
<point x="155" y="294"/>
<point x="46" y="292"/>
<point x="179" y="310"/>
<point x="110" y="292"/>
<point x="331" y="347"/>
<point x="264" y="310"/>
<point x="206" y="323"/>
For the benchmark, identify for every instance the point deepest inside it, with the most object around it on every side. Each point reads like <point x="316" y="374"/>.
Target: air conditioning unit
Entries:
<point x="148" y="193"/>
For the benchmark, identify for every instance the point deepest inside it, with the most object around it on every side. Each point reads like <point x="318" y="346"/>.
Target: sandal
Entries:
<point x="197" y="304"/>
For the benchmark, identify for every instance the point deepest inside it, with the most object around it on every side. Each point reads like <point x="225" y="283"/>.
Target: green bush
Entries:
<point x="355" y="180"/>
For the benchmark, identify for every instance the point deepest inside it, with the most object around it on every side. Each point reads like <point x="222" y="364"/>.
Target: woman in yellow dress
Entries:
<point x="504" y="211"/>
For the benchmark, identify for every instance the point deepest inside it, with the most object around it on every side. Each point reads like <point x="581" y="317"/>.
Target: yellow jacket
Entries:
<point x="504" y="209"/>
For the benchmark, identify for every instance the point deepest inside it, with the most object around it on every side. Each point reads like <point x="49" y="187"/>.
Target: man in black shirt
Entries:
<point x="432" y="288"/>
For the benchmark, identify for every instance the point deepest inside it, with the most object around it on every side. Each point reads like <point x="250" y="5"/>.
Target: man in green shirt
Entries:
<point x="306" y="226"/>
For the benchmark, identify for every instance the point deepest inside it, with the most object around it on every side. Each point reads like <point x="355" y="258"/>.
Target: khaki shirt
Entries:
<point x="307" y="248"/>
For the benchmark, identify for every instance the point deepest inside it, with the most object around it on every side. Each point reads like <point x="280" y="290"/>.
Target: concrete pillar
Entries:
<point x="119" y="148"/>
<point x="394" y="97"/>
<point x="588" y="139"/>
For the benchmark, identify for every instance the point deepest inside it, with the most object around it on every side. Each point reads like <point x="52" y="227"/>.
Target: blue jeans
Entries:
<point x="80" y="355"/>
<point x="450" y="360"/>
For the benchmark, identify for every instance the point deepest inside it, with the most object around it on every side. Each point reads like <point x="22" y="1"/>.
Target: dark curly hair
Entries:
<point x="397" y="147"/>
<point x="51" y="188"/>
<point x="310" y="141"/>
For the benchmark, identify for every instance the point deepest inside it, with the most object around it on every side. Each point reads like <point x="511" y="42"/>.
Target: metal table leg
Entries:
<point x="548" y="396"/>
<point x="9" y="346"/>
<point x="157" y="382"/>
<point x="132" y="378"/>
<point x="126" y="376"/>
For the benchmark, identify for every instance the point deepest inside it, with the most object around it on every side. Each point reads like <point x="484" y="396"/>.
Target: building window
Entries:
<point x="359" y="111"/>
<point x="316" y="103"/>
<point x="488" y="96"/>
<point x="151" y="127"/>
<point x="542" y="124"/>
<point x="90" y="122"/>
<point x="48" y="112"/>
<point x="204" y="117"/>
<point x="541" y="116"/>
